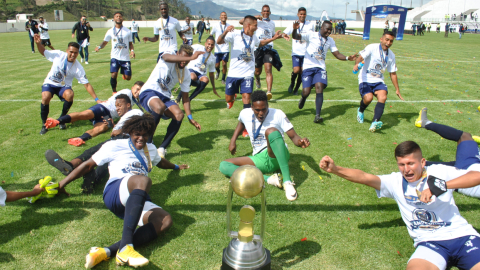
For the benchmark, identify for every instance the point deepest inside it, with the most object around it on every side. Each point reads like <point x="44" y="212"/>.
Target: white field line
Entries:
<point x="276" y="100"/>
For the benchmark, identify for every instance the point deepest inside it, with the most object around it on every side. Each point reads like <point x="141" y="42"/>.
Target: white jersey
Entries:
<point x="435" y="221"/>
<point x="109" y="104"/>
<point x="299" y="46"/>
<point x="121" y="39"/>
<point x="374" y="67"/>
<point x="275" y="118"/>
<point x="134" y="27"/>
<point x="3" y="196"/>
<point x="265" y="30"/>
<point x="43" y="32"/>
<point x="189" y="33"/>
<point x="166" y="30"/>
<point x="315" y="55"/>
<point x="127" y="116"/>
<point x="204" y="63"/>
<point x="62" y="70"/>
<point x="217" y="30"/>
<point x="207" y="25"/>
<point x="122" y="161"/>
<point x="242" y="63"/>
<point x="164" y="77"/>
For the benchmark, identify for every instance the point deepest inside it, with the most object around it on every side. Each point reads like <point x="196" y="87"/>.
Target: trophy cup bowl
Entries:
<point x="247" y="181"/>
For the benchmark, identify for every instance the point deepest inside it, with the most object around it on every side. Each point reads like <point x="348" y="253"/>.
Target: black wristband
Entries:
<point x="437" y="186"/>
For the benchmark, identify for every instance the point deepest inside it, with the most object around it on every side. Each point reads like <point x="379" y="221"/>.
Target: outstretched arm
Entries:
<point x="233" y="141"/>
<point x="78" y="172"/>
<point x="165" y="164"/>
<point x="212" y="81"/>
<point x="90" y="90"/>
<point x="297" y="140"/>
<point x="342" y="57"/>
<point x="352" y="175"/>
<point x="101" y="46"/>
<point x="40" y="47"/>
<point x="393" y="77"/>
<point x="188" y="111"/>
<point x="15" y="196"/>
<point x="175" y="58"/>
<point x="154" y="39"/>
<point x="277" y="35"/>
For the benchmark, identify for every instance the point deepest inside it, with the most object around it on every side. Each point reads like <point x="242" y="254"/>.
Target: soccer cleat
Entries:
<point x="269" y="95"/>
<point x="476" y="139"/>
<point x="245" y="133"/>
<point x="257" y="83"/>
<point x="51" y="123"/>
<point x="290" y="191"/>
<point x="359" y="116"/>
<point x="230" y="104"/>
<point x="33" y="51"/>
<point x="43" y="131"/>
<point x="422" y="119"/>
<point x="290" y="88"/>
<point x="301" y="103"/>
<point x="275" y="180"/>
<point x="478" y="108"/>
<point x="86" y="62"/>
<point x="89" y="181"/>
<point x="95" y="256"/>
<point x="114" y="92"/>
<point x="123" y="77"/>
<point x="223" y="82"/>
<point x="81" y="60"/>
<point x="376" y="125"/>
<point x="56" y="161"/>
<point x="130" y="256"/>
<point x="162" y="152"/>
<point x="63" y="126"/>
<point x="318" y="119"/>
<point x="76" y="141"/>
<point x="217" y="75"/>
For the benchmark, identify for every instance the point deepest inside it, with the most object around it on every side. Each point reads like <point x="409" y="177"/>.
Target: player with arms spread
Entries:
<point x="222" y="51"/>
<point x="440" y="234"/>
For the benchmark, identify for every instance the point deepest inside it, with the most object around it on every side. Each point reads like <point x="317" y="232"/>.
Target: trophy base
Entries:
<point x="265" y="266"/>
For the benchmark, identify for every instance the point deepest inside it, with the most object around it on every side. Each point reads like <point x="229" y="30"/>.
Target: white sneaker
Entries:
<point x="290" y="191"/>
<point x="86" y="62"/>
<point x="275" y="180"/>
<point x="81" y="60"/>
<point x="162" y="152"/>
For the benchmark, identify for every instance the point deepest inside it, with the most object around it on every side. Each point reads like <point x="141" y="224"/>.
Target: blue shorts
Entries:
<point x="56" y="90"/>
<point x="311" y="76"/>
<point x="160" y="55"/>
<point x="245" y="85"/>
<point x="100" y="113"/>
<point x="124" y="66"/>
<point x="462" y="252"/>
<point x="366" y="88"/>
<point x="148" y="94"/>
<point x="221" y="57"/>
<point x="111" y="198"/>
<point x="468" y="154"/>
<point x="199" y="75"/>
<point x="297" y="60"/>
<point x="189" y="42"/>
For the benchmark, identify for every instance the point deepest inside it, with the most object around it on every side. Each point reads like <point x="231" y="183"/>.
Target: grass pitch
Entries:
<point x="345" y="225"/>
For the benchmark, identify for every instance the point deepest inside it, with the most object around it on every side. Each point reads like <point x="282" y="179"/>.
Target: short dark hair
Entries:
<point x="326" y="22"/>
<point x="211" y="37"/>
<point x="162" y="3"/>
<point x="139" y="83"/>
<point x="266" y="6"/>
<point x="249" y="18"/>
<point x="124" y="97"/>
<point x="74" y="44"/>
<point x="118" y="12"/>
<point x="186" y="48"/>
<point x="259" y="95"/>
<point x="407" y="148"/>
<point x="302" y="9"/>
<point x="139" y="123"/>
<point x="41" y="17"/>
<point x="390" y="33"/>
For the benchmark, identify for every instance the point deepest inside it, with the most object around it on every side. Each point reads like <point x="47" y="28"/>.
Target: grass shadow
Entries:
<point x="202" y="141"/>
<point x="393" y="119"/>
<point x="294" y="253"/>
<point x="300" y="175"/>
<point x="398" y="222"/>
<point x="332" y="112"/>
<point x="6" y="257"/>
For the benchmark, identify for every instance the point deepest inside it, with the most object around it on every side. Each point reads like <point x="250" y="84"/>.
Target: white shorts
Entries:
<point x="3" y="196"/>
<point x="429" y="255"/>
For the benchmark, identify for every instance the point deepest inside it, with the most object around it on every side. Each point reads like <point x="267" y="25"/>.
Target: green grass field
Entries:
<point x="346" y="226"/>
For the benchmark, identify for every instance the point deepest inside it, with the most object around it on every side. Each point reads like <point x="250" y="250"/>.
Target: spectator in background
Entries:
<point x="207" y="27"/>
<point x="438" y="28"/>
<point x="476" y="16"/>
<point x="83" y="36"/>
<point x="394" y="29"/>
<point x="460" y="31"/>
<point x="200" y="28"/>
<point x="334" y="27"/>
<point x="429" y="25"/>
<point x="414" y="29"/>
<point x="447" y="28"/>
<point x="387" y="26"/>
<point x="32" y="29"/>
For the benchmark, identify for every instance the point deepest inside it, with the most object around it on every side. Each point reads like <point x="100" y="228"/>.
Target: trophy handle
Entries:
<point x="264" y="210"/>
<point x="229" y="212"/>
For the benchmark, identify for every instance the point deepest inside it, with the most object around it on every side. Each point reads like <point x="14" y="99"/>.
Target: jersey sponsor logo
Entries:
<point x="120" y="44"/>
<point x="266" y="34"/>
<point x="166" y="35"/>
<point x="57" y="77"/>
<point x="164" y="82"/>
<point x="257" y="142"/>
<point x="376" y="71"/>
<point x="440" y="184"/>
<point x="426" y="220"/>
<point x="135" y="168"/>
<point x="245" y="55"/>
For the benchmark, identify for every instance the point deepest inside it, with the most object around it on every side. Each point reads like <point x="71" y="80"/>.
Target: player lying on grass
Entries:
<point x="265" y="127"/>
<point x="468" y="153"/>
<point x="126" y="192"/>
<point x="11" y="196"/>
<point x="441" y="235"/>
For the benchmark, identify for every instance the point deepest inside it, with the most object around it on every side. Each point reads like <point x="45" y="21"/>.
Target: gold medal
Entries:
<point x="63" y="83"/>
<point x="249" y="54"/>
<point x="202" y="67"/>
<point x="115" y="39"/>
<point x="81" y="32"/>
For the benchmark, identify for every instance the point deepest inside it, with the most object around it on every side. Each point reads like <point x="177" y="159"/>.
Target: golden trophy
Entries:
<point x="245" y="250"/>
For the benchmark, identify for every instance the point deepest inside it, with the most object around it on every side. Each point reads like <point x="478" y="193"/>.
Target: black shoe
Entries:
<point x="56" y="161"/>
<point x="290" y="88"/>
<point x="62" y="126"/>
<point x="89" y="181"/>
<point x="43" y="131"/>
<point x="301" y="103"/>
<point x="318" y="119"/>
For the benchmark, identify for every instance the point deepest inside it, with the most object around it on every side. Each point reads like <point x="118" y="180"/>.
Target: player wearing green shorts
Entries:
<point x="265" y="127"/>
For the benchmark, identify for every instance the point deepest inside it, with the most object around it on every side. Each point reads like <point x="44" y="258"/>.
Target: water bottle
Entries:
<point x="360" y="65"/>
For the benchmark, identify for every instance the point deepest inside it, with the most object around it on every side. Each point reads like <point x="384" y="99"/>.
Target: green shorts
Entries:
<point x="265" y="163"/>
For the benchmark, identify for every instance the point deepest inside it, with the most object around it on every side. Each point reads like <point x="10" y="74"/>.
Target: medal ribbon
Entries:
<point x="139" y="157"/>
<point x="161" y="22"/>
<point x="223" y="29"/>
<point x="244" y="42"/>
<point x="257" y="132"/>
<point x="116" y="34"/>
<point x="384" y="58"/>
<point x="205" y="60"/>
<point x="321" y="42"/>
<point x="419" y="185"/>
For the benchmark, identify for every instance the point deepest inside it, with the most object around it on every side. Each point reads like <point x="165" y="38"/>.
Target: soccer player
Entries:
<point x="265" y="55"/>
<point x="60" y="79"/>
<point x="31" y="28"/>
<point x="188" y="29"/>
<point x="165" y="29"/>
<point x="265" y="127"/>
<point x="378" y="58"/>
<point x="44" y="36"/>
<point x="199" y="67"/>
<point x="314" y="68"/>
<point x="122" y="45"/>
<point x="222" y="51"/>
<point x="155" y="95"/>
<point x="242" y="67"/>
<point x="298" y="49"/>
<point x="134" y="28"/>
<point x="126" y="192"/>
<point x="83" y="36"/>
<point x="440" y="234"/>
<point x="101" y="115"/>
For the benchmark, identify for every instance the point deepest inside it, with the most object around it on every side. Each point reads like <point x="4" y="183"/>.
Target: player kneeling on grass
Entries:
<point x="440" y="234"/>
<point x="265" y="127"/>
<point x="126" y="192"/>
<point x="101" y="115"/>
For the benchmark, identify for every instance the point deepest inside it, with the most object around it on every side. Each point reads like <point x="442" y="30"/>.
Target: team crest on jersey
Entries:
<point x="426" y="220"/>
<point x="257" y="142"/>
<point x="266" y="34"/>
<point x="246" y="55"/>
<point x="320" y="54"/>
<point x="164" y="82"/>
<point x="57" y="77"/>
<point x="135" y="168"/>
<point x="120" y="44"/>
<point x="376" y="71"/>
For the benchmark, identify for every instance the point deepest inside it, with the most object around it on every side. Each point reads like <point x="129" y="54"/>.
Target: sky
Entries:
<point x="315" y="7"/>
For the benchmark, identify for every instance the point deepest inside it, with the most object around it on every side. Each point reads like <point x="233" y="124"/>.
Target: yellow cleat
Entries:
<point x="419" y="121"/>
<point x="130" y="256"/>
<point x="95" y="256"/>
<point x="476" y="139"/>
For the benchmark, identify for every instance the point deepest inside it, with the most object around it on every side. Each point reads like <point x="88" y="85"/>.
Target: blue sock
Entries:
<point x="172" y="130"/>
<point x="44" y="110"/>
<point x="113" y="83"/>
<point x="85" y="137"/>
<point x="66" y="107"/>
<point x="133" y="211"/>
<point x="378" y="111"/>
<point x="319" y="102"/>
<point x="142" y="235"/>
<point x="65" y="119"/>
<point x="446" y="132"/>
<point x="198" y="90"/>
<point x="245" y="106"/>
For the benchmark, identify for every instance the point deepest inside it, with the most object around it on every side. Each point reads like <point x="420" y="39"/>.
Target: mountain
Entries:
<point x="208" y="8"/>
